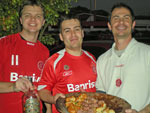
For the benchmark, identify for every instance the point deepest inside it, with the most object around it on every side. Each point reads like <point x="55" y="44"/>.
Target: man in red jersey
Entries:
<point x="22" y="55"/>
<point x="69" y="69"/>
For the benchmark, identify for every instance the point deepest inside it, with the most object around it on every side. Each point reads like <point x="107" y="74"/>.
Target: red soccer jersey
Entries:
<point x="64" y="73"/>
<point x="19" y="58"/>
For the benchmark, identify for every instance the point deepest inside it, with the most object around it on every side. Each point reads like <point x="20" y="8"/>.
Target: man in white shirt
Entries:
<point x="124" y="70"/>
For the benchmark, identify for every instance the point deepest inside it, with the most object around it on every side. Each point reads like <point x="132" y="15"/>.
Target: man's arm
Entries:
<point x="47" y="97"/>
<point x="48" y="108"/>
<point x="146" y="109"/>
<point x="22" y="84"/>
<point x="6" y="87"/>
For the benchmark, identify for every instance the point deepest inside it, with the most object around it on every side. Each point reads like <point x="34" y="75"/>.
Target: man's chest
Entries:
<point x="18" y="61"/>
<point x="73" y="75"/>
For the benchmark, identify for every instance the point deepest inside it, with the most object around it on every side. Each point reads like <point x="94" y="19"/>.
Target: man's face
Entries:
<point x="121" y="23"/>
<point x="32" y="18"/>
<point x="72" y="34"/>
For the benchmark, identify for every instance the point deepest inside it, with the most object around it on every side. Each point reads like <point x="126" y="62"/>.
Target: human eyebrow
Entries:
<point x="77" y="27"/>
<point x="115" y="16"/>
<point x="66" y="29"/>
<point x="39" y="15"/>
<point x="25" y="13"/>
<point x="128" y="16"/>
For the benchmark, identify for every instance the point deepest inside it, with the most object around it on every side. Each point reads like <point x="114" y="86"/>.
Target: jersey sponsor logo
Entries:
<point x="118" y="82"/>
<point x="93" y="65"/>
<point x="40" y="65"/>
<point x="66" y="67"/>
<point x="67" y="73"/>
<point x="14" y="60"/>
<point x="29" y="43"/>
<point x="76" y="87"/>
<point x="14" y="76"/>
<point x="121" y="65"/>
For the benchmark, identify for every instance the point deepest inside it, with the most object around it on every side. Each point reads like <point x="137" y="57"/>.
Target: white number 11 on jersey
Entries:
<point x="14" y="60"/>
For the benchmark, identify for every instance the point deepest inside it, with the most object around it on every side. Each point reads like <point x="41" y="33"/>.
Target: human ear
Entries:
<point x="61" y="37"/>
<point x="109" y="26"/>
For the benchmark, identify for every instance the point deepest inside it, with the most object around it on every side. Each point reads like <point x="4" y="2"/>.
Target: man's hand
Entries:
<point x="82" y="90"/>
<point x="22" y="84"/>
<point x="48" y="108"/>
<point x="130" y="111"/>
<point x="57" y="96"/>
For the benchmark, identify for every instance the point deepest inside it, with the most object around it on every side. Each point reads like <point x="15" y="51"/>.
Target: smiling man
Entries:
<point x="124" y="70"/>
<point x="70" y="69"/>
<point x="22" y="55"/>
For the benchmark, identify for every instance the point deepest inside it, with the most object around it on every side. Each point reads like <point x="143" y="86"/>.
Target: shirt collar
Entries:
<point x="128" y="49"/>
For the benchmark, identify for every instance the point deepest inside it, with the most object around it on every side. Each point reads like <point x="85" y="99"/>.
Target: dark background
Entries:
<point x="140" y="7"/>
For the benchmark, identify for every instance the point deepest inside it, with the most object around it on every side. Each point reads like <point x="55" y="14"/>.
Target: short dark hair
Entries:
<point x="32" y="3"/>
<point x="68" y="17"/>
<point x="122" y="5"/>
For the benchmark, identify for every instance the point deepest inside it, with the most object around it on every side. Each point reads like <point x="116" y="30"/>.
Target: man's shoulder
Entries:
<point x="9" y="38"/>
<point x="89" y="54"/>
<point x="54" y="59"/>
<point x="143" y="46"/>
<point x="105" y="55"/>
<point x="57" y="56"/>
<point x="41" y="45"/>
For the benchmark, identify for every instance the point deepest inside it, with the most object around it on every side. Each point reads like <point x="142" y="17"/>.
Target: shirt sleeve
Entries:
<point x="99" y="81"/>
<point x="48" y="78"/>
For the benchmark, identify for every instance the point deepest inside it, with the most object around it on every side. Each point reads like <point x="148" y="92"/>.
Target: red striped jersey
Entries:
<point x="64" y="73"/>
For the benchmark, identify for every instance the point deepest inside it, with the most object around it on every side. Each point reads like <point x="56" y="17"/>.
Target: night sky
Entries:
<point x="140" y="7"/>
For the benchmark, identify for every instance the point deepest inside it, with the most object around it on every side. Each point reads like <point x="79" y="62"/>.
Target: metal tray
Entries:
<point x="117" y="104"/>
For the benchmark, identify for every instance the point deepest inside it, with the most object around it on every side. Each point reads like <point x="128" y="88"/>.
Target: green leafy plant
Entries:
<point x="9" y="17"/>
